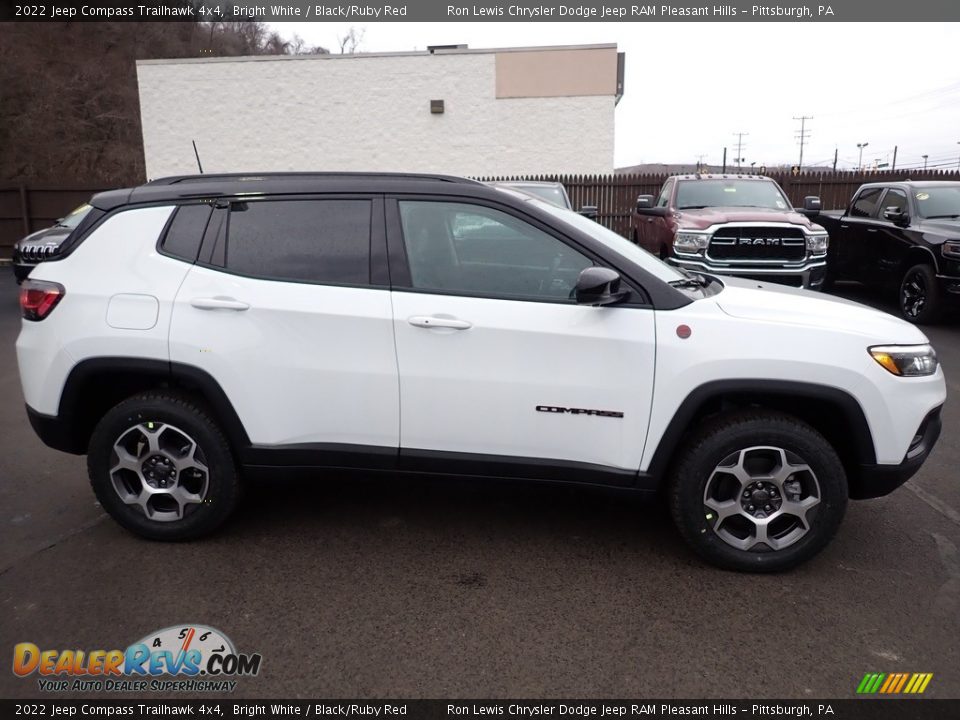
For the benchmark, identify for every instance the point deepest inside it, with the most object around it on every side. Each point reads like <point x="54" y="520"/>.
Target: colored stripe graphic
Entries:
<point x="894" y="683"/>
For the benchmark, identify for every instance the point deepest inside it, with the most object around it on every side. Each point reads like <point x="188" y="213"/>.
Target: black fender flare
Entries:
<point x="844" y="402"/>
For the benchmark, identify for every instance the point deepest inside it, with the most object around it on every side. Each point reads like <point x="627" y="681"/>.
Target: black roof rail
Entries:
<point x="252" y="176"/>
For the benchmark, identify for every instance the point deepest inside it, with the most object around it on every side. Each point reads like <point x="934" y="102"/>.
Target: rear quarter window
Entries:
<point x="185" y="232"/>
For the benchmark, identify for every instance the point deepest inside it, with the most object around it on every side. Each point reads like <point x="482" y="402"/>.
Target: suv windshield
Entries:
<point x="75" y="217"/>
<point x="938" y="201"/>
<point x="730" y="193"/>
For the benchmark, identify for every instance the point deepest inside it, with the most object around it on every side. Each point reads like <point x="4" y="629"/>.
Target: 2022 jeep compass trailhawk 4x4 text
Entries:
<point x="196" y="330"/>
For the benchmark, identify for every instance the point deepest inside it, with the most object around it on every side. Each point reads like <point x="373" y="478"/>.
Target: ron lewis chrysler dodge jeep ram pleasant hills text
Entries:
<point x="196" y="330"/>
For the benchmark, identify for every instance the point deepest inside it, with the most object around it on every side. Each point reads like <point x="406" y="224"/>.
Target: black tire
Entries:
<point x="724" y="436"/>
<point x="220" y="490"/>
<point x="920" y="299"/>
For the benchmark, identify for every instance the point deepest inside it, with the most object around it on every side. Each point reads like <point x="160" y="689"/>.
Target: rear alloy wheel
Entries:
<point x="920" y="300"/>
<point x="161" y="467"/>
<point x="758" y="491"/>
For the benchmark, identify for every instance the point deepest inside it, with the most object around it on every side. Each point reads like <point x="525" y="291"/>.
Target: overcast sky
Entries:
<point x="690" y="87"/>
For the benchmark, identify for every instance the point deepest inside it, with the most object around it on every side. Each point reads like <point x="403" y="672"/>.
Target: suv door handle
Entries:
<point x="869" y="229"/>
<point x="219" y="303"/>
<point x="425" y="321"/>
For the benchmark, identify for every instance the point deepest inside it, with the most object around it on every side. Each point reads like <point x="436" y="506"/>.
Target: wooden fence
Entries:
<point x="26" y="208"/>
<point x="615" y="195"/>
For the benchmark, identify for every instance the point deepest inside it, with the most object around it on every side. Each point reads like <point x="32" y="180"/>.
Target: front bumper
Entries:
<point x="808" y="275"/>
<point x="878" y="480"/>
<point x="21" y="270"/>
<point x="950" y="285"/>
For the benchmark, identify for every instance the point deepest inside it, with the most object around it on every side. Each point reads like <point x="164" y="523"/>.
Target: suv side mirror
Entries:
<point x="896" y="215"/>
<point x="812" y="205"/>
<point x="599" y="286"/>
<point x="589" y="211"/>
<point x="644" y="202"/>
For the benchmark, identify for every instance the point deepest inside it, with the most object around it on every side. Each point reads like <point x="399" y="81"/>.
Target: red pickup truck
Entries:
<point x="740" y="225"/>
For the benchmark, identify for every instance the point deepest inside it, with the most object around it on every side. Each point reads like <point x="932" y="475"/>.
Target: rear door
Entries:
<point x="498" y="364"/>
<point x="284" y="312"/>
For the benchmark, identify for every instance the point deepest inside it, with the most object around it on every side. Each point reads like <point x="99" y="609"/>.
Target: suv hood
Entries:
<point x="705" y="217"/>
<point x="48" y="236"/>
<point x="769" y="302"/>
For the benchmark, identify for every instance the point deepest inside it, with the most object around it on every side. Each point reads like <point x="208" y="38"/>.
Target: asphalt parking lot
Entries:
<point x="387" y="587"/>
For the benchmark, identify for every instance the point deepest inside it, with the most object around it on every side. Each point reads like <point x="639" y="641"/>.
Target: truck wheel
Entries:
<point x="162" y="468"/>
<point x="920" y="300"/>
<point x="758" y="491"/>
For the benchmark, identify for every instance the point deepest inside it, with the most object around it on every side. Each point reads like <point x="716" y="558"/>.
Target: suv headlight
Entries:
<point x="817" y="244"/>
<point x="906" y="360"/>
<point x="691" y="243"/>
<point x="951" y="249"/>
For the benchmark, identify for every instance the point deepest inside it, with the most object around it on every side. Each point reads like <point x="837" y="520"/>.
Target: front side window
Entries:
<point x="895" y="199"/>
<point x="474" y="250"/>
<point x="866" y="203"/>
<point x="664" y="198"/>
<point x="320" y="241"/>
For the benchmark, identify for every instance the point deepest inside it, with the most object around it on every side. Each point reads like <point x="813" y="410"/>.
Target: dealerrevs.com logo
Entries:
<point x="188" y="658"/>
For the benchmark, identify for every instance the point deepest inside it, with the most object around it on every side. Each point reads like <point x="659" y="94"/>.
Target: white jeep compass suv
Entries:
<point x="195" y="330"/>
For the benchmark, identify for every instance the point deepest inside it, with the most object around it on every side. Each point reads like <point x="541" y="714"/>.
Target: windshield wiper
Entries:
<point x="691" y="280"/>
<point x="943" y="217"/>
<point x="692" y="207"/>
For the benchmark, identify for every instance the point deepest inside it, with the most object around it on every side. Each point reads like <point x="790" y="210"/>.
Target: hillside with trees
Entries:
<point x="69" y="108"/>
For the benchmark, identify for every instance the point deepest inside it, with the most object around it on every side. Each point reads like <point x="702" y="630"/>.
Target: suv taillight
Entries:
<point x="38" y="298"/>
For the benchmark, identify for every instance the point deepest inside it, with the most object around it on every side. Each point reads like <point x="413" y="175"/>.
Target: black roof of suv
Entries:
<point x="182" y="187"/>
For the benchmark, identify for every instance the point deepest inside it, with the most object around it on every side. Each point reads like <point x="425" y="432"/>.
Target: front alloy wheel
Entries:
<point x="757" y="490"/>
<point x="761" y="499"/>
<point x="920" y="295"/>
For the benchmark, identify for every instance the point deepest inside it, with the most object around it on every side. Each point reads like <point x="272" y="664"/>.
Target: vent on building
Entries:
<point x="433" y="48"/>
<point x="436" y="107"/>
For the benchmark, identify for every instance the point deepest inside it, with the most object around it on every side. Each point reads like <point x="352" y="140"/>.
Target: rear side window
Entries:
<point x="320" y="241"/>
<point x="186" y="232"/>
<point x="866" y="202"/>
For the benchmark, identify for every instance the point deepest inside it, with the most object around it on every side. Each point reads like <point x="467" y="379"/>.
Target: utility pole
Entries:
<point x="924" y="162"/>
<point x="724" y="161"/>
<point x="835" y="150"/>
<point x="894" y="166"/>
<point x="700" y="158"/>
<point x="803" y="135"/>
<point x="860" y="147"/>
<point x="740" y="136"/>
<point x="958" y="159"/>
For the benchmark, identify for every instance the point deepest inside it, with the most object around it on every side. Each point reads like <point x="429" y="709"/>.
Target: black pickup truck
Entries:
<point x="903" y="236"/>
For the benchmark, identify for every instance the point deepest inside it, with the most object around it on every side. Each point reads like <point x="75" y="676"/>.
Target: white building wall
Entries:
<point x="357" y="113"/>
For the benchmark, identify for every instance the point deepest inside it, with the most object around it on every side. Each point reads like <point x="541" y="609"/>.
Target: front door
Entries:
<point x="497" y="361"/>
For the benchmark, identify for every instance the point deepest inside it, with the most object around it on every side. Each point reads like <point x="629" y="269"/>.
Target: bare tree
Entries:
<point x="350" y="42"/>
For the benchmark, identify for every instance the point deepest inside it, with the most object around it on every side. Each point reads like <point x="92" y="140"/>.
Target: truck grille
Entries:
<point x="758" y="243"/>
